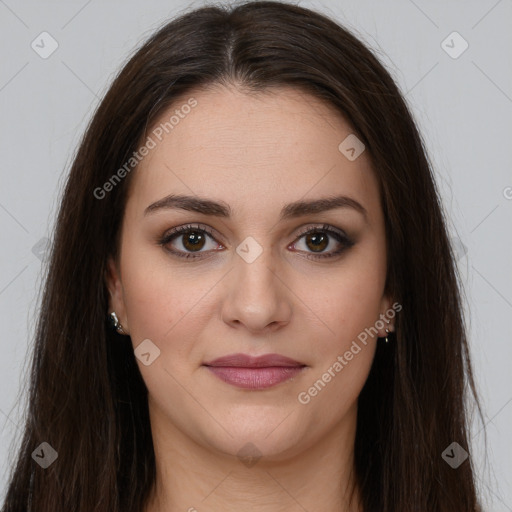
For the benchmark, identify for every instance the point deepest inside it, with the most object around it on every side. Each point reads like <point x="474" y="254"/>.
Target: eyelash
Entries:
<point x="338" y="235"/>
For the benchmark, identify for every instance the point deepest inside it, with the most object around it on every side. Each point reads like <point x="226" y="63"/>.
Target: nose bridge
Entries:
<point x="256" y="296"/>
<point x="254" y="266"/>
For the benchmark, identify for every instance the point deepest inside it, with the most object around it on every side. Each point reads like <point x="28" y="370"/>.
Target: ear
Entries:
<point x="115" y="289"/>
<point x="387" y="316"/>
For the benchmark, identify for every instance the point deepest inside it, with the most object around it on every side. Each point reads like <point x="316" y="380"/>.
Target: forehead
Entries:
<point x="254" y="151"/>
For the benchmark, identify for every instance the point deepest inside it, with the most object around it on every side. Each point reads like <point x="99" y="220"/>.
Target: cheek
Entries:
<point x="158" y="310"/>
<point x="345" y="319"/>
<point x="153" y="297"/>
<point x="348" y="305"/>
<point x="151" y="305"/>
<point x="345" y="352"/>
<point x="166" y="305"/>
<point x="349" y="301"/>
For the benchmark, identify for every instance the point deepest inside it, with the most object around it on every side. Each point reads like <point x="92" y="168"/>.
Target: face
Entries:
<point x="255" y="273"/>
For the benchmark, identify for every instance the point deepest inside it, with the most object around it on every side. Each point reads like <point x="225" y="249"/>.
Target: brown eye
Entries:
<point x="188" y="241"/>
<point x="318" y="239"/>
<point x="317" y="242"/>
<point x="193" y="241"/>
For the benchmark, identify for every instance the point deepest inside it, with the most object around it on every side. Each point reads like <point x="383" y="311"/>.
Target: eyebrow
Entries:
<point x="221" y="209"/>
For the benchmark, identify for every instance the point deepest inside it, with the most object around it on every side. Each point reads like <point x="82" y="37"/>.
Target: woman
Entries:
<point x="253" y="209"/>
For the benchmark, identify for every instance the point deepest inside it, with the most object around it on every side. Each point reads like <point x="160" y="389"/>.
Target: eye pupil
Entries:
<point x="193" y="240"/>
<point x="319" y="241"/>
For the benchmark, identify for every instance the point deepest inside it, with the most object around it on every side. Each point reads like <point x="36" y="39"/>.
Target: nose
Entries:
<point x="256" y="295"/>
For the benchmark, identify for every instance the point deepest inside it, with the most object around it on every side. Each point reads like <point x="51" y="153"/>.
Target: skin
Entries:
<point x="255" y="153"/>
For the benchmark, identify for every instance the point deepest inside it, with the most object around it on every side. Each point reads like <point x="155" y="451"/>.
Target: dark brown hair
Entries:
<point x="87" y="398"/>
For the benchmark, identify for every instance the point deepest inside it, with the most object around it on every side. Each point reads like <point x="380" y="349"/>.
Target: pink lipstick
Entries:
<point x="249" y="372"/>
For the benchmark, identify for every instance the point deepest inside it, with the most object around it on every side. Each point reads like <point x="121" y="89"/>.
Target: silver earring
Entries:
<point x="116" y="323"/>
<point x="387" y="332"/>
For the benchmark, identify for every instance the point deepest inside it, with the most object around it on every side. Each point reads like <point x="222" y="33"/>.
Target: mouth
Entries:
<point x="244" y="371"/>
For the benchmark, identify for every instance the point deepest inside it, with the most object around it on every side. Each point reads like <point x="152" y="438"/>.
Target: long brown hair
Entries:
<point x="87" y="399"/>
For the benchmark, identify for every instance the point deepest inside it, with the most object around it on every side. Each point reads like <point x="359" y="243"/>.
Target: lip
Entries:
<point x="249" y="372"/>
<point x="246" y="361"/>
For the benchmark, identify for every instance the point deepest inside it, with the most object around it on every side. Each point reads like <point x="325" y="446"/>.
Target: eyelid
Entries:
<point x="213" y="233"/>
<point x="191" y="226"/>
<point x="325" y="227"/>
<point x="178" y="230"/>
<point x="332" y="231"/>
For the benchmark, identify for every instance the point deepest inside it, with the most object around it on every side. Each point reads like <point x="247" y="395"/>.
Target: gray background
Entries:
<point x="463" y="107"/>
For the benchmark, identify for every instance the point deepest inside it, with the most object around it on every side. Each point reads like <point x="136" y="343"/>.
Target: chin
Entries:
<point x="244" y="440"/>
